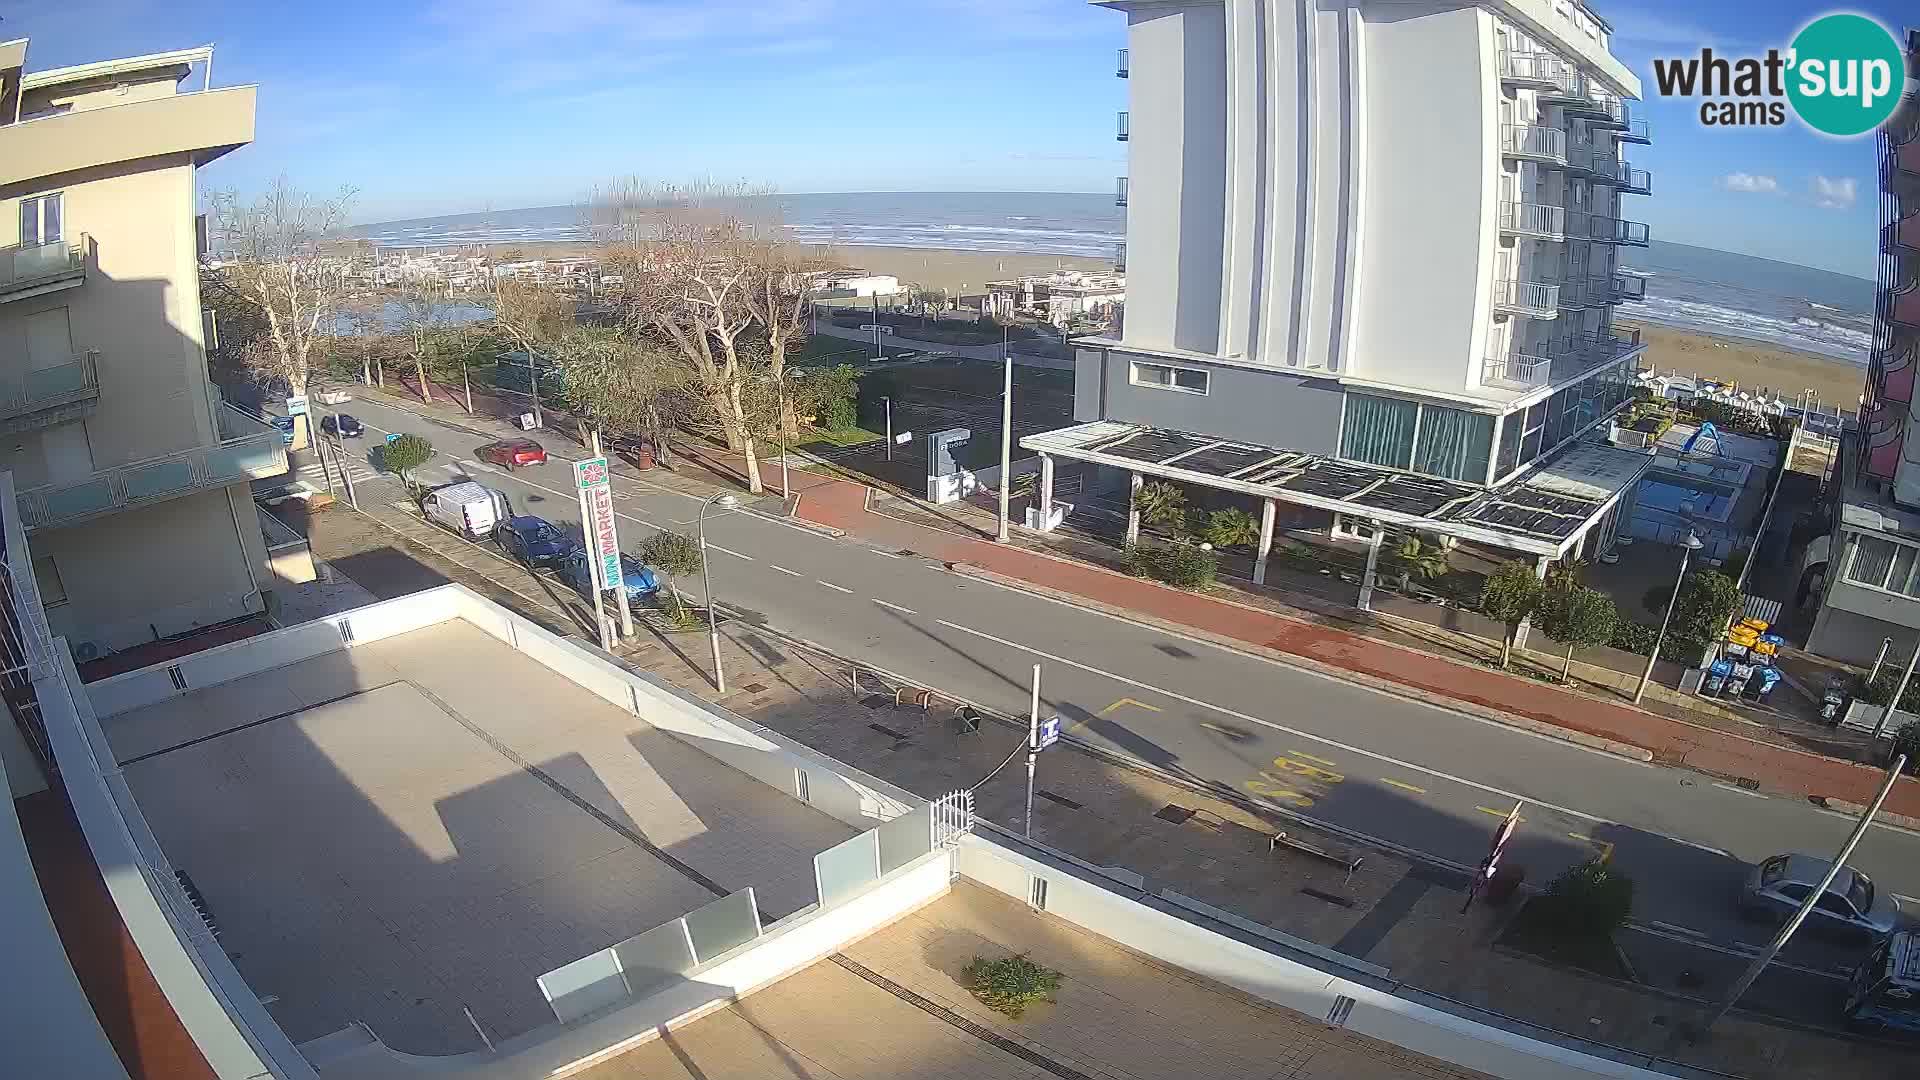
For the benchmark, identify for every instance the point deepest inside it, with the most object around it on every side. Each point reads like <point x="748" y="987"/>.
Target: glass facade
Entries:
<point x="1453" y="443"/>
<point x="1527" y="434"/>
<point x="1430" y="439"/>
<point x="1379" y="431"/>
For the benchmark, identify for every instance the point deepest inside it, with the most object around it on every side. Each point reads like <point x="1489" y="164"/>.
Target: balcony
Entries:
<point x="1123" y="67"/>
<point x="248" y="450"/>
<point x="1630" y="130"/>
<point x="48" y="396"/>
<point x="1578" y="292"/>
<point x="36" y="269"/>
<point x="1533" y="142"/>
<point x="1603" y="107"/>
<point x="1119" y="191"/>
<point x="1120" y="128"/>
<point x="1537" y="220"/>
<point x="1542" y="71"/>
<point x="1120" y="258"/>
<point x="1531" y="299"/>
<point x="1606" y="167"/>
<point x="1609" y="230"/>
<point x="1521" y="371"/>
<point x="1902" y="234"/>
<point x="1903" y="308"/>
<point x="1629" y="286"/>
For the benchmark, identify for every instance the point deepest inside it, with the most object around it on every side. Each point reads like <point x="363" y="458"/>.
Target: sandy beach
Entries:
<point x="1751" y="364"/>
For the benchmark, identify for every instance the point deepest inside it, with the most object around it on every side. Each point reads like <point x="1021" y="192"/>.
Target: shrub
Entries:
<point x="1010" y="984"/>
<point x="1588" y="902"/>
<point x="1231" y="528"/>
<point x="1880" y="690"/>
<point x="673" y="554"/>
<point x="1573" y="614"/>
<point x="1184" y="566"/>
<point x="405" y="454"/>
<point x="1511" y="594"/>
<point x="839" y="415"/>
<point x="1907" y="741"/>
<point x="1161" y="504"/>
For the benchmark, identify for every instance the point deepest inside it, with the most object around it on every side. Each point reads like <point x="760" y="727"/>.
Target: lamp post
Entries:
<point x="724" y="501"/>
<point x="1687" y="549"/>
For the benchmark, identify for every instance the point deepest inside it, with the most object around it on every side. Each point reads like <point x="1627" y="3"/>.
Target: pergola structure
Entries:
<point x="1544" y="513"/>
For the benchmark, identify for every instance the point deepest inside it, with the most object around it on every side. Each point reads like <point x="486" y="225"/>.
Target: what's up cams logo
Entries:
<point x="1843" y="76"/>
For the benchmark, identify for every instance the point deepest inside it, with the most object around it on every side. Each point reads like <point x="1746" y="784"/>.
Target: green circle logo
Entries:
<point x="1846" y="74"/>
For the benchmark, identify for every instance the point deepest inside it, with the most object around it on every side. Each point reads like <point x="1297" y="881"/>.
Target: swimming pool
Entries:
<point x="1706" y="504"/>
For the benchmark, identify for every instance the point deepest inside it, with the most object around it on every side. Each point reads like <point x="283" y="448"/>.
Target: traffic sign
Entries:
<point x="297" y="405"/>
<point x="1046" y="733"/>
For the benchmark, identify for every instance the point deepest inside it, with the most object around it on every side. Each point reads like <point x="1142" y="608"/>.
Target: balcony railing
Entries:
<point x="1534" y="142"/>
<point x="1122" y="67"/>
<point x="1541" y="71"/>
<point x="1629" y="286"/>
<point x="248" y="450"/>
<point x="1539" y="301"/>
<point x="1579" y="291"/>
<point x="1533" y="219"/>
<point x="1903" y="308"/>
<point x="27" y="269"/>
<point x="1630" y="130"/>
<point x="1522" y="371"/>
<point x="1119" y="191"/>
<point x="36" y="398"/>
<point x="1120" y="127"/>
<point x="1606" y="167"/>
<point x="1608" y="230"/>
<point x="1120" y="258"/>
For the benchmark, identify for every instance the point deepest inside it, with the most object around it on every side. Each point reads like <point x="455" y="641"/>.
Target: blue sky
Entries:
<point x="444" y="106"/>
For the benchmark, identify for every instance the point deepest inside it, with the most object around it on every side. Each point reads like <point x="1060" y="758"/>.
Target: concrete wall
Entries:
<point x="1854" y="638"/>
<point x="1261" y="405"/>
<point x="153" y="572"/>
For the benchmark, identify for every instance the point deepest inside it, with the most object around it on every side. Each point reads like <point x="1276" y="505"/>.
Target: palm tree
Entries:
<point x="1417" y="558"/>
<point x="1231" y="528"/>
<point x="1161" y="504"/>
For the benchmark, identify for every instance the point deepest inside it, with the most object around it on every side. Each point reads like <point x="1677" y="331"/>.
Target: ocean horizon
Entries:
<point x="1705" y="290"/>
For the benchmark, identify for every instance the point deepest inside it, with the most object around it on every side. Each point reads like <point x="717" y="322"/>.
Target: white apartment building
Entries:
<point x="132" y="475"/>
<point x="1374" y="233"/>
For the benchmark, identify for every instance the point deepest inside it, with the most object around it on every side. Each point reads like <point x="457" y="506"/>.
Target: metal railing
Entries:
<point x="1631" y="130"/>
<point x="1120" y="127"/>
<point x="1533" y="219"/>
<point x="1608" y="230"/>
<point x="1542" y="70"/>
<point x="1520" y="369"/>
<point x="1526" y="298"/>
<point x="24" y="266"/>
<point x="1119" y="191"/>
<point x="76" y="380"/>
<point x="1534" y="141"/>
<point x="1608" y="167"/>
<point x="1629" y="286"/>
<point x="250" y="449"/>
<point x="1123" y="67"/>
<point x="1120" y="258"/>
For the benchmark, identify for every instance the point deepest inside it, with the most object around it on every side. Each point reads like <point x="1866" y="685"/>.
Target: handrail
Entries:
<point x="1533" y="140"/>
<point x="26" y="265"/>
<point x="1524" y="369"/>
<point x="1517" y="216"/>
<point x="1526" y="295"/>
<point x="41" y="387"/>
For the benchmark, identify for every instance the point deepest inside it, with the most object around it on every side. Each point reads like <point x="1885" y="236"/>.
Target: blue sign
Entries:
<point x="1047" y="733"/>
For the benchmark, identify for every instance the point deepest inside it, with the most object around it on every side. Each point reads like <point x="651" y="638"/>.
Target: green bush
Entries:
<point x="1587" y="902"/>
<point x="1633" y="637"/>
<point x="1010" y="984"/>
<point x="405" y="454"/>
<point x="1231" y="528"/>
<point x="839" y="415"/>
<point x="1907" y="741"/>
<point x="1183" y="566"/>
<point x="1880" y="690"/>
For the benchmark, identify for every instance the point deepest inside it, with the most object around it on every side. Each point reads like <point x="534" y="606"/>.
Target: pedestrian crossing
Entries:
<point x="358" y="472"/>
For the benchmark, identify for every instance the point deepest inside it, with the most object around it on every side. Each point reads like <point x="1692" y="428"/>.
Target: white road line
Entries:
<point x="1877" y="824"/>
<point x="784" y="570"/>
<point x="896" y="607"/>
<point x="836" y="588"/>
<point x="730" y="551"/>
<point x="1679" y="929"/>
<point x="1712" y="850"/>
<point x="883" y="554"/>
<point x="1740" y="790"/>
<point x="1281" y="727"/>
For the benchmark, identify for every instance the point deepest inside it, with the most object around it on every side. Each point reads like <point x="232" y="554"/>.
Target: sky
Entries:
<point x="450" y="106"/>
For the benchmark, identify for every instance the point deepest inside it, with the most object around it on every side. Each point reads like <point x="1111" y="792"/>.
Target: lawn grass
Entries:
<point x="855" y="436"/>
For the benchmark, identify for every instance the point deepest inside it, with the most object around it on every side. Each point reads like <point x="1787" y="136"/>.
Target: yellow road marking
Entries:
<point x="1269" y="786"/>
<point x="1605" y="846"/>
<point x="1495" y="813"/>
<point x="1129" y="701"/>
<point x="1403" y="787"/>
<point x="1310" y="757"/>
<point x="1311" y="772"/>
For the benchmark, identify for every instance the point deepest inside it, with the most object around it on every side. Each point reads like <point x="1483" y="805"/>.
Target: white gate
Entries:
<point x="952" y="818"/>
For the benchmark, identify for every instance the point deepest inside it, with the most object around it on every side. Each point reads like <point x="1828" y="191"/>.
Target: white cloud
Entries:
<point x="1835" y="193"/>
<point x="1750" y="182"/>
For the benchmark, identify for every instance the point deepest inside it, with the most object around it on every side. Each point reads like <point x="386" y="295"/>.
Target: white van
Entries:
<point x="467" y="508"/>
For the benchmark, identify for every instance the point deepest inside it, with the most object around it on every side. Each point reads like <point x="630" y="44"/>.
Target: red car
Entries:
<point x="513" y="453"/>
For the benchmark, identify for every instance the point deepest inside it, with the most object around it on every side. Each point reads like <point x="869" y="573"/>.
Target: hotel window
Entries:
<point x="1379" y="430"/>
<point x="1168" y="377"/>
<point x="1453" y="444"/>
<point x="1428" y="439"/>
<point x="1883" y="564"/>
<point x="40" y="220"/>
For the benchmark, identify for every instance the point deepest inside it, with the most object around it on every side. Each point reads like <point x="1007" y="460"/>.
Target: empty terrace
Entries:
<point x="389" y="833"/>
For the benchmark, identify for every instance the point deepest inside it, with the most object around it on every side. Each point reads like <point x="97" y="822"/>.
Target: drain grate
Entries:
<point x="1327" y="896"/>
<point x="755" y="688"/>
<point x="1061" y="799"/>
<point x="887" y="731"/>
<point x="1179" y="815"/>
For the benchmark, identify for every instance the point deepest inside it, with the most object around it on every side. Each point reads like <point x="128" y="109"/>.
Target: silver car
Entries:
<point x="1851" y="904"/>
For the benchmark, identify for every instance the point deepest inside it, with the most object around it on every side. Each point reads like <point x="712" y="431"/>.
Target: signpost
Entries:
<point x="1040" y="735"/>
<point x="1491" y="863"/>
<point x="296" y="411"/>
<point x="595" y="482"/>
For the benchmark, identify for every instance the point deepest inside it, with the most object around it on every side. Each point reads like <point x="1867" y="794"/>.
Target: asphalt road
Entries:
<point x="1415" y="775"/>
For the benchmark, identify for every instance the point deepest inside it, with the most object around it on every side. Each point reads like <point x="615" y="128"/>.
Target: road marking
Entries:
<point x="1739" y="790"/>
<point x="1228" y="732"/>
<point x="831" y="585"/>
<point x="784" y="570"/>
<point x="1311" y="772"/>
<point x="896" y="607"/>
<point x="1497" y="813"/>
<point x="1129" y="701"/>
<point x="1605" y="846"/>
<point x="1310" y="757"/>
<point x="1711" y="850"/>
<point x="1296" y="732"/>
<point x="1687" y="930"/>
<point x="883" y="554"/>
<point x="730" y="551"/>
<point x="1403" y="787"/>
<point x="1269" y="786"/>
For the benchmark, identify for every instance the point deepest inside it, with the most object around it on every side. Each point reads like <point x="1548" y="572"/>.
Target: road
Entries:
<point x="1415" y="775"/>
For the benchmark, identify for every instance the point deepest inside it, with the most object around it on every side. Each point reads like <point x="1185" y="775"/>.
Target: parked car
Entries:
<point x="1852" y="904"/>
<point x="638" y="579"/>
<point x="513" y="453"/>
<point x="535" y="541"/>
<point x="342" y="426"/>
<point x="467" y="508"/>
<point x="285" y="424"/>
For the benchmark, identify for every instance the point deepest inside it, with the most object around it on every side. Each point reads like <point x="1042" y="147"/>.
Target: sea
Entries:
<point x="1692" y="288"/>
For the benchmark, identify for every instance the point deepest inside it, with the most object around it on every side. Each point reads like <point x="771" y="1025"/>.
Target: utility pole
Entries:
<point x="533" y="380"/>
<point x="1033" y="745"/>
<point x="1899" y="692"/>
<point x="878" y="352"/>
<point x="1786" y="932"/>
<point x="1006" y="435"/>
<point x="889" y="404"/>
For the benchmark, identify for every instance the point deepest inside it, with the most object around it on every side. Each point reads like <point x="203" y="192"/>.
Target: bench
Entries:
<point x="1343" y="860"/>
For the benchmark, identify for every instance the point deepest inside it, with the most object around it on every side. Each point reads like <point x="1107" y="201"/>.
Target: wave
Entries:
<point x="1798" y="333"/>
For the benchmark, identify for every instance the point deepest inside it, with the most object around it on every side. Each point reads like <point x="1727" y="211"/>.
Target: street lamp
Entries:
<point x="1687" y="548"/>
<point x="724" y="501"/>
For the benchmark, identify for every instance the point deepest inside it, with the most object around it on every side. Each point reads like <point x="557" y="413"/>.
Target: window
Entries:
<point x="1882" y="564"/>
<point x="40" y="220"/>
<point x="46" y="576"/>
<point x="1453" y="443"/>
<point x="1167" y="377"/>
<point x="1379" y="430"/>
<point x="1835" y="905"/>
<point x="1795" y="891"/>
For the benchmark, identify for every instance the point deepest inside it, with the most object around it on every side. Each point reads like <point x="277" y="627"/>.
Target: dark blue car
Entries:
<point x="535" y="541"/>
<point x="639" y="580"/>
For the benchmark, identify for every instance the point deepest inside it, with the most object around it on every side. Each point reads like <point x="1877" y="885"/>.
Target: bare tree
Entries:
<point x="535" y="317"/>
<point x="274" y="258"/>
<point x="776" y="297"/>
<point x="420" y="314"/>
<point x="616" y="381"/>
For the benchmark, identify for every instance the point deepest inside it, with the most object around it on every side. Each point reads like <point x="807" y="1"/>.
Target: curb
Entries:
<point x="1855" y="809"/>
<point x="1388" y="686"/>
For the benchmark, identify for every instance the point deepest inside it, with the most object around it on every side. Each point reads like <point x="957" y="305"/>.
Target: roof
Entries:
<point x="103" y="69"/>
<point x="464" y="491"/>
<point x="1540" y="512"/>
